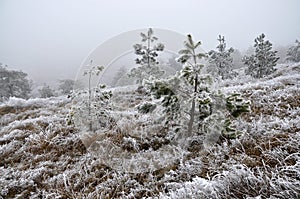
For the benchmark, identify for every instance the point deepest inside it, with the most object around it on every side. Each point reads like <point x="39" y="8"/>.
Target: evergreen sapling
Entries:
<point x="222" y="60"/>
<point x="192" y="106"/>
<point x="91" y="107"/>
<point x="264" y="59"/>
<point x="147" y="60"/>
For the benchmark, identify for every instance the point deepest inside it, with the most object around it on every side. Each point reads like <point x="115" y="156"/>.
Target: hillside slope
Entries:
<point x="43" y="157"/>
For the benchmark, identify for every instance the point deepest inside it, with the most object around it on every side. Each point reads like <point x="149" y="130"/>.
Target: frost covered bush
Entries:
<point x="146" y="107"/>
<point x="91" y="109"/>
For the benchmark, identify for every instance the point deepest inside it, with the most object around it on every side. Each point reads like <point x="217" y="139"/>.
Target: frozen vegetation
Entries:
<point x="44" y="155"/>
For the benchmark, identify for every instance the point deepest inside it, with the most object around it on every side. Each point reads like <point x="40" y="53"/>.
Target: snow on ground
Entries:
<point x="43" y="157"/>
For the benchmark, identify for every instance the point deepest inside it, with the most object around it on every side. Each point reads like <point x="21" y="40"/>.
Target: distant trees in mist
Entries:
<point x="17" y="84"/>
<point x="13" y="84"/>
<point x="66" y="86"/>
<point x="46" y="91"/>
<point x="293" y="53"/>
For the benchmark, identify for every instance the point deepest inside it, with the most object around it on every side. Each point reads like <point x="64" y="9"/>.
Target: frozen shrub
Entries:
<point x="91" y="112"/>
<point x="91" y="107"/>
<point x="146" y="107"/>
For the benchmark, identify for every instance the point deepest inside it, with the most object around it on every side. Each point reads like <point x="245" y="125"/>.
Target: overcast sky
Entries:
<point x="49" y="39"/>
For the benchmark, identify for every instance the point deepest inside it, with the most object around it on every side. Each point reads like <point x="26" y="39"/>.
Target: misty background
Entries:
<point x="50" y="39"/>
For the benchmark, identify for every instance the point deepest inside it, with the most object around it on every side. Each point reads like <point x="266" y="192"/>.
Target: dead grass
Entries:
<point x="45" y="157"/>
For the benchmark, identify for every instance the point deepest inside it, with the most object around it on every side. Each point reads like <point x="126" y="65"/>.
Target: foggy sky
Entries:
<point x="50" y="39"/>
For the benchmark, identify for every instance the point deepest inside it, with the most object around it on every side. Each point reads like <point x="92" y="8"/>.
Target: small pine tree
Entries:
<point x="264" y="59"/>
<point x="168" y="90"/>
<point x="191" y="72"/>
<point x="148" y="57"/>
<point x="222" y="59"/>
<point x="94" y="70"/>
<point x="191" y="104"/>
<point x="91" y="106"/>
<point x="293" y="53"/>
